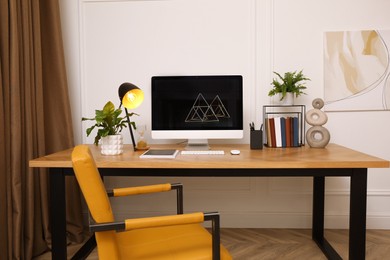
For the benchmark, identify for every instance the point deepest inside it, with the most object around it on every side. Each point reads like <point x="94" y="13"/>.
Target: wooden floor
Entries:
<point x="251" y="244"/>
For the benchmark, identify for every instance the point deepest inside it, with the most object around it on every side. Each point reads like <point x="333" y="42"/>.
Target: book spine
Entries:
<point x="272" y="131"/>
<point x="288" y="132"/>
<point x="295" y="132"/>
<point x="283" y="131"/>
<point x="267" y="131"/>
<point x="278" y="132"/>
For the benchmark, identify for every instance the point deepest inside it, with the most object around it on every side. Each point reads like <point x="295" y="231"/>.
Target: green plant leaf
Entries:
<point x="89" y="130"/>
<point x="108" y="121"/>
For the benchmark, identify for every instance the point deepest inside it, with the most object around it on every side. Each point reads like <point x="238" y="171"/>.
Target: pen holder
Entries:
<point x="256" y="141"/>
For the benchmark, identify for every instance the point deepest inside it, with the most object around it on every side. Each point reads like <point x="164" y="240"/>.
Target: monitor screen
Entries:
<point x="197" y="107"/>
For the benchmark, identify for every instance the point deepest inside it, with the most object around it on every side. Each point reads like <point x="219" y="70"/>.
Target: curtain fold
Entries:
<point x="35" y="119"/>
<point x="4" y="143"/>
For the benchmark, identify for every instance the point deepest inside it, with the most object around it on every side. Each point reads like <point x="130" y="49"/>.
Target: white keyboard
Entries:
<point x="206" y="152"/>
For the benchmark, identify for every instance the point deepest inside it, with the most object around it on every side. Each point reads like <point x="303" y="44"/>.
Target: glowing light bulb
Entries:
<point x="131" y="96"/>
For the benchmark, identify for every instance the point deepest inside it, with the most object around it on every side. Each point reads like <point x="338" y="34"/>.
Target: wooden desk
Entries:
<point x="333" y="161"/>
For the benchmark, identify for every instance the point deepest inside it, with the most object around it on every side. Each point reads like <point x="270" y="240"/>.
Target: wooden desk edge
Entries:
<point x="249" y="159"/>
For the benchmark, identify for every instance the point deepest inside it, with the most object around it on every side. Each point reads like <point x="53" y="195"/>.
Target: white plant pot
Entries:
<point x="112" y="145"/>
<point x="288" y="100"/>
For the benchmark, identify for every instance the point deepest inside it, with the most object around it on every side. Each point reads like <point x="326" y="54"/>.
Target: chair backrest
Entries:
<point x="95" y="195"/>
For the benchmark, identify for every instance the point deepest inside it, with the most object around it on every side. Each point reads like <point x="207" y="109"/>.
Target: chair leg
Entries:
<point x="215" y="231"/>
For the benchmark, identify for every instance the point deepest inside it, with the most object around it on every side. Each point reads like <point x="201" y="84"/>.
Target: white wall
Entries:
<point x="110" y="42"/>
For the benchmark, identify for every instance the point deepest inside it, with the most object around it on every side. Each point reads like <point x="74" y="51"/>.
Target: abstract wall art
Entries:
<point x="356" y="70"/>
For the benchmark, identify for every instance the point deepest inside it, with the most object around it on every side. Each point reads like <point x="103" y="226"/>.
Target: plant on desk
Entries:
<point x="292" y="83"/>
<point x="109" y="124"/>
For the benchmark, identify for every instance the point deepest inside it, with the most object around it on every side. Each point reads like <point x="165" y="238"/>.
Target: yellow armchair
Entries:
<point x="163" y="237"/>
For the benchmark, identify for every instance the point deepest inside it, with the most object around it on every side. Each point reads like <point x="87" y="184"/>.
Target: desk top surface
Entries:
<point x="333" y="156"/>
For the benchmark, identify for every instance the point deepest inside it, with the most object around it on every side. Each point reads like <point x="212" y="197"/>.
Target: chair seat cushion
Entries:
<point x="173" y="242"/>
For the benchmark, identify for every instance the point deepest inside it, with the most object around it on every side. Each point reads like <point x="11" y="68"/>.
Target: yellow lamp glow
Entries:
<point x="133" y="98"/>
<point x="130" y="95"/>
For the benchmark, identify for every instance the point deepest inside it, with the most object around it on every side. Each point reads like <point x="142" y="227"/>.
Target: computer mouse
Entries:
<point x="235" y="152"/>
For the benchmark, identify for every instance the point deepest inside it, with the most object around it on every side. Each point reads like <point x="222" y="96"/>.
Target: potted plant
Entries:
<point x="109" y="124"/>
<point x="291" y="82"/>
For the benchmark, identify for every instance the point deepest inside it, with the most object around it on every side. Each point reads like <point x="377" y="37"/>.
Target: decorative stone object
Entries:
<point x="317" y="136"/>
<point x="112" y="145"/>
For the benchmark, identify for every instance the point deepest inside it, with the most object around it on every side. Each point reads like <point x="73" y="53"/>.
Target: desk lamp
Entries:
<point x="131" y="97"/>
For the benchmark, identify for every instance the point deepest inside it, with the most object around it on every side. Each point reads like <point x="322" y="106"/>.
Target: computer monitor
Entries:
<point x="197" y="108"/>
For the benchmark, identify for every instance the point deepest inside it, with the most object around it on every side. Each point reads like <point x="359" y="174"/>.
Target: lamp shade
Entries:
<point x="130" y="95"/>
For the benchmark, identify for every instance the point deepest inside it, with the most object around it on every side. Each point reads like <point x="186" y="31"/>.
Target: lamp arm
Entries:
<point x="130" y="129"/>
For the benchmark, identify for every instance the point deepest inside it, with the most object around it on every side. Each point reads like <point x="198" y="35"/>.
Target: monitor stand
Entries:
<point x="197" y="145"/>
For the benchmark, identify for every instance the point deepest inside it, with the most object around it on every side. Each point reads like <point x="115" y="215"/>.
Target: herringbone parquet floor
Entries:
<point x="263" y="244"/>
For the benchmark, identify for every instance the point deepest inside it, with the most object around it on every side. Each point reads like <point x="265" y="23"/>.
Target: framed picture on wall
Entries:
<point x="356" y="70"/>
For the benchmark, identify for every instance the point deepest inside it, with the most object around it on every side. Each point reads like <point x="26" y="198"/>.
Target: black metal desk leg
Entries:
<point x="357" y="217"/>
<point x="57" y="213"/>
<point x="319" y="217"/>
<point x="318" y="209"/>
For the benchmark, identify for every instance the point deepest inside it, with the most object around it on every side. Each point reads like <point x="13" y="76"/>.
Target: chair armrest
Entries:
<point x="138" y="223"/>
<point x="171" y="220"/>
<point x="119" y="192"/>
<point x="162" y="221"/>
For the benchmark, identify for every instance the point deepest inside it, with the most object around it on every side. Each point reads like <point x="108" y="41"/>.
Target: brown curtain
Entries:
<point x="35" y="119"/>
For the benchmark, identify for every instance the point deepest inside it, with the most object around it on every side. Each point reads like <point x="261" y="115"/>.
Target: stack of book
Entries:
<point x="282" y="132"/>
